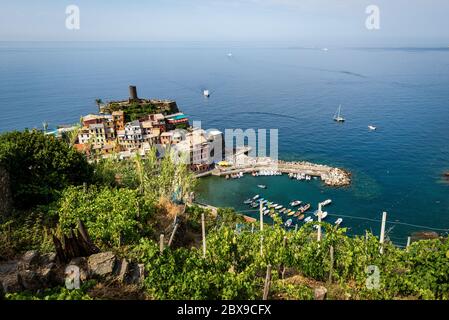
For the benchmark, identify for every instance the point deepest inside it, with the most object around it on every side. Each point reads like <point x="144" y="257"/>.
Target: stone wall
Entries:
<point x="5" y="193"/>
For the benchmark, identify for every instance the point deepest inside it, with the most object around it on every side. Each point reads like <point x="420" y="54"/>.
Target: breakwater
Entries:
<point x="330" y="176"/>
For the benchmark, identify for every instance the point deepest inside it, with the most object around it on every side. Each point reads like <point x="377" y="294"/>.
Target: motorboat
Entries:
<point x="308" y="219"/>
<point x="338" y="221"/>
<point x="323" y="215"/>
<point x="262" y="186"/>
<point x="278" y="207"/>
<point x="256" y="197"/>
<point x="326" y="202"/>
<point x="248" y="201"/>
<point x="304" y="208"/>
<point x="206" y="93"/>
<point x="295" y="203"/>
<point x="372" y="128"/>
<point x="289" y="222"/>
<point x="301" y="217"/>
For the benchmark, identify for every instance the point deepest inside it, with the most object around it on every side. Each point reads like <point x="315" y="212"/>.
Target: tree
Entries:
<point x="99" y="102"/>
<point x="40" y="166"/>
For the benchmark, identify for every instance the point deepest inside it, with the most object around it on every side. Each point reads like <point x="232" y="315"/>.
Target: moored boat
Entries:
<point x="295" y="203"/>
<point x="256" y="197"/>
<point x="308" y="219"/>
<point x="338" y="221"/>
<point x="261" y="186"/>
<point x="304" y="208"/>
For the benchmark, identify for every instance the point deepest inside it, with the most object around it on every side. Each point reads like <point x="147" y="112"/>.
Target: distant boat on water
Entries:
<point x="338" y="117"/>
<point x="372" y="128"/>
<point x="206" y="93"/>
<point x="229" y="54"/>
<point x="262" y="186"/>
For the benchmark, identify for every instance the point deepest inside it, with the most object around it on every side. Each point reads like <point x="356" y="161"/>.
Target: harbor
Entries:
<point x="330" y="176"/>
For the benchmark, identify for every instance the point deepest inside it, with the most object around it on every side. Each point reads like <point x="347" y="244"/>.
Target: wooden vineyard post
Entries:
<point x="172" y="235"/>
<point x="318" y="237"/>
<point x="331" y="253"/>
<point x="266" y="288"/>
<point x="382" y="232"/>
<point x="261" y="228"/>
<point x="161" y="243"/>
<point x="282" y="266"/>
<point x="203" y="231"/>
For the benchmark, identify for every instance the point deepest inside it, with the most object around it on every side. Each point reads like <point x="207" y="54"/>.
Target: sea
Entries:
<point x="296" y="89"/>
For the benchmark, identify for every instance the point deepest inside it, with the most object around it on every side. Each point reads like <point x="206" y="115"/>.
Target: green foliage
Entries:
<point x="153" y="177"/>
<point x="40" y="166"/>
<point x="59" y="293"/>
<point x="18" y="234"/>
<point x="234" y="267"/>
<point x="114" y="217"/>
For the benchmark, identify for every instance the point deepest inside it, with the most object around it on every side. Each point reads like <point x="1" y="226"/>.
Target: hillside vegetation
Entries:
<point x="126" y="205"/>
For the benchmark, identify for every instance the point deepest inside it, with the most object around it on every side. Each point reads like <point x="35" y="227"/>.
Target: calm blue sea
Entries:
<point x="403" y="91"/>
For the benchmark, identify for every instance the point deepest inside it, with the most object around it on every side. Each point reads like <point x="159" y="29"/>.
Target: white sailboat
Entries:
<point x="337" y="116"/>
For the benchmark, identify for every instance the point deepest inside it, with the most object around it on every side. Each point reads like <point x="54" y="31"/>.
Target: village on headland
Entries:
<point x="134" y="126"/>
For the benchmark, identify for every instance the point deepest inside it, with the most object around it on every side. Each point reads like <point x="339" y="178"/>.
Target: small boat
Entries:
<point x="229" y="54"/>
<point x="290" y="213"/>
<point x="326" y="202"/>
<point x="308" y="219"/>
<point x="323" y="215"/>
<point x="256" y="197"/>
<point x="278" y="207"/>
<point x="248" y="201"/>
<point x="372" y="128"/>
<point x="254" y="204"/>
<point x="282" y="210"/>
<point x="301" y="217"/>
<point x="295" y="203"/>
<point x="304" y="208"/>
<point x="289" y="222"/>
<point x="265" y="212"/>
<point x="337" y="116"/>
<point x="262" y="186"/>
<point x="338" y="221"/>
<point x="206" y="93"/>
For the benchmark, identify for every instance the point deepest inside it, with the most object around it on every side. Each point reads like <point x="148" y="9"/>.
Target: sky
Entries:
<point x="337" y="22"/>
